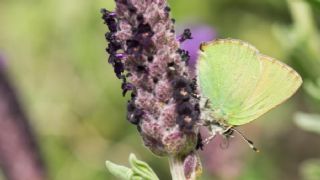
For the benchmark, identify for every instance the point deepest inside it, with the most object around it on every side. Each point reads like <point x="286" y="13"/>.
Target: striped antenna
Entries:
<point x="249" y="142"/>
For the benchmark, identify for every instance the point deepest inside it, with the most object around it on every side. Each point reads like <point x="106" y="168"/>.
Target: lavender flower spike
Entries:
<point x="164" y="104"/>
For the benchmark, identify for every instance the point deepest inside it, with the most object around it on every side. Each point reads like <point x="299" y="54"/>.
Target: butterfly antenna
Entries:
<point x="250" y="143"/>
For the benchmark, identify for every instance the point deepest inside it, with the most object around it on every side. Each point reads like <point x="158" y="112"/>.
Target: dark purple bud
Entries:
<point x="118" y="68"/>
<point x="185" y="108"/>
<point x="150" y="58"/>
<point x="197" y="108"/>
<point x="144" y="28"/>
<point x="133" y="46"/>
<point x="140" y="18"/>
<point x="111" y="37"/>
<point x="155" y="80"/>
<point x="113" y="58"/>
<point x="180" y="82"/>
<point x="134" y="114"/>
<point x="142" y="69"/>
<point x="126" y="87"/>
<point x="109" y="19"/>
<point x="184" y="55"/>
<point x="146" y="42"/>
<point x="106" y="13"/>
<point x="131" y="7"/>
<point x="194" y="85"/>
<point x="113" y="48"/>
<point x="112" y="25"/>
<point x="131" y="106"/>
<point x="185" y="35"/>
<point x="167" y="9"/>
<point x="185" y="122"/>
<point x="143" y="34"/>
<point x="181" y="94"/>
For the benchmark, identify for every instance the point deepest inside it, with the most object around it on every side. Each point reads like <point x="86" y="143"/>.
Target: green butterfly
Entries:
<point x="240" y="84"/>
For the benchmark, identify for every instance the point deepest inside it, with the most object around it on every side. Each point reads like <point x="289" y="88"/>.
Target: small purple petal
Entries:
<point x="120" y="55"/>
<point x="200" y="33"/>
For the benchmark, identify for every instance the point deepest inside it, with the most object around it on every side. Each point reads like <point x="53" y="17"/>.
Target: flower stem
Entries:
<point x="176" y="168"/>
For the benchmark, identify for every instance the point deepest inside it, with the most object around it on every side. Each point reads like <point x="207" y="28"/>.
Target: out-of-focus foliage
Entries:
<point x="301" y="40"/>
<point x="313" y="88"/>
<point x="311" y="169"/>
<point x="303" y="50"/>
<point x="56" y="59"/>
<point x="308" y="122"/>
<point x="315" y="3"/>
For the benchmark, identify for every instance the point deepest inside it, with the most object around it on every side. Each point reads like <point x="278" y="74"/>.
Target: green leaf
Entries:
<point x="314" y="3"/>
<point x="308" y="122"/>
<point x="313" y="89"/>
<point x="118" y="171"/>
<point x="141" y="169"/>
<point x="310" y="169"/>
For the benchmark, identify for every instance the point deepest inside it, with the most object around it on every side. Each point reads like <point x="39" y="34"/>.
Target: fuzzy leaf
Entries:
<point x="308" y="122"/>
<point x="141" y="169"/>
<point x="118" y="171"/>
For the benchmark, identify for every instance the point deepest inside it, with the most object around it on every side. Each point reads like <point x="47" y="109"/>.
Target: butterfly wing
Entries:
<point x="241" y="83"/>
<point x="277" y="82"/>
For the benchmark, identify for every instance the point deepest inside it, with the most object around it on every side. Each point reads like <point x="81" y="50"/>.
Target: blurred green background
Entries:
<point x="56" y="59"/>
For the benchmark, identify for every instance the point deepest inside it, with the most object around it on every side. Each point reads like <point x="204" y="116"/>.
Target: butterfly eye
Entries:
<point x="202" y="46"/>
<point x="228" y="133"/>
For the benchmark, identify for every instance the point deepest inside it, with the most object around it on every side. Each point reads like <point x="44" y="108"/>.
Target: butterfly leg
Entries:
<point x="208" y="139"/>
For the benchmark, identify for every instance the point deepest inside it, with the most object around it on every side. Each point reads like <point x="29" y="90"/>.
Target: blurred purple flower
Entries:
<point x="224" y="160"/>
<point x="200" y="33"/>
<point x="2" y="63"/>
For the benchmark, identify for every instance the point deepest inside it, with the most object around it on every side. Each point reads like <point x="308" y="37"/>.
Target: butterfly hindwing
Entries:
<point x="277" y="82"/>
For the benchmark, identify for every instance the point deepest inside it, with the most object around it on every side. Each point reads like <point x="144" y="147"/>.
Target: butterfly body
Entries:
<point x="215" y="120"/>
<point x="240" y="83"/>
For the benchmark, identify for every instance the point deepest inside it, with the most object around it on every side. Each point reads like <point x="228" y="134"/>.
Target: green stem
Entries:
<point x="176" y="168"/>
